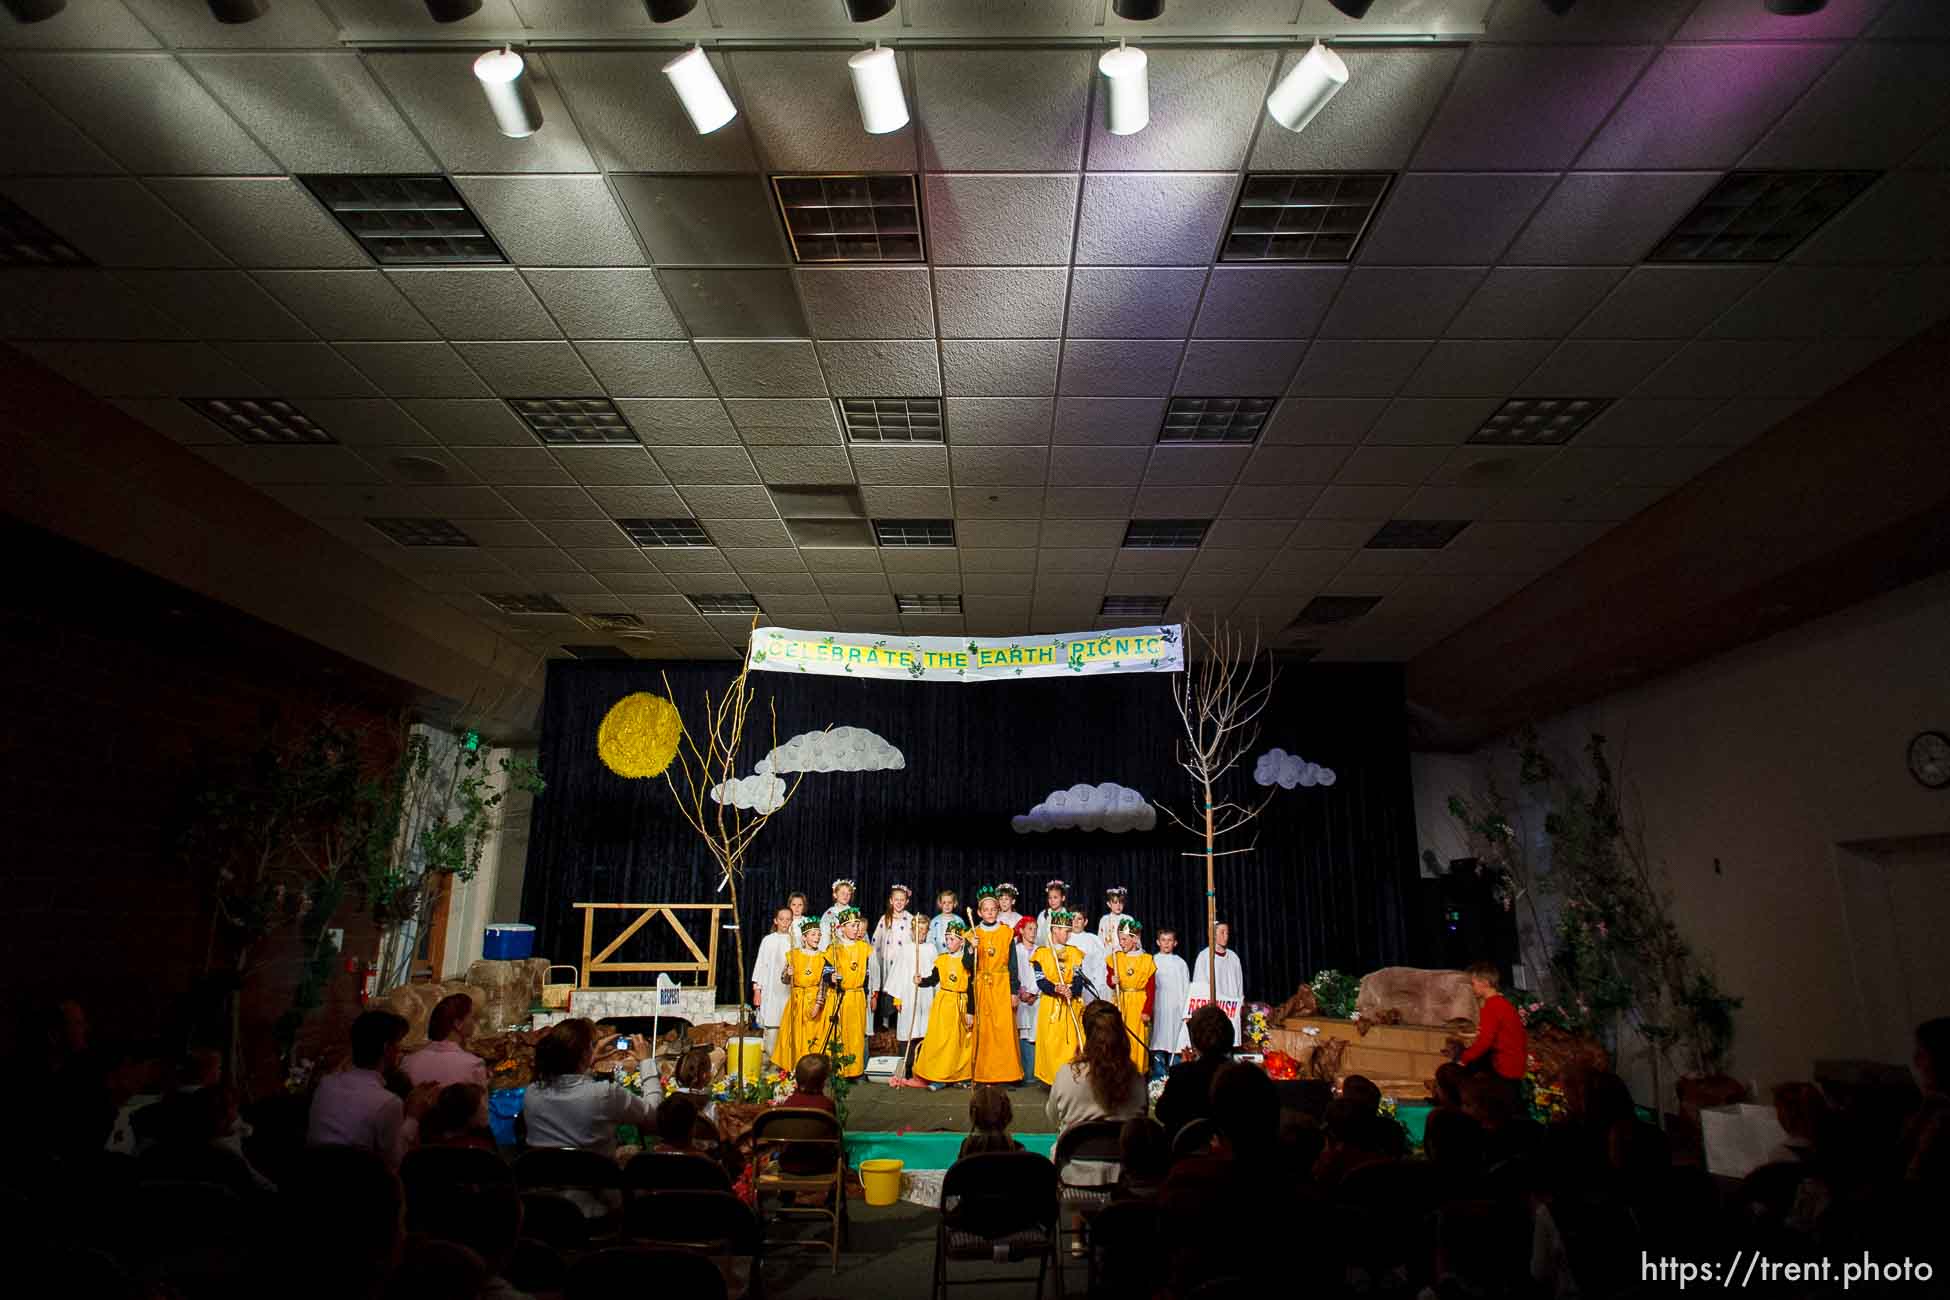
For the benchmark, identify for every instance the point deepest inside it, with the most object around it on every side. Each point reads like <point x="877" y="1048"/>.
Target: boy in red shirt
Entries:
<point x="1501" y="1047"/>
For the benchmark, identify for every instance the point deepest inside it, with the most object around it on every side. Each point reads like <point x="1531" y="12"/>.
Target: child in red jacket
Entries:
<point x="1501" y="1047"/>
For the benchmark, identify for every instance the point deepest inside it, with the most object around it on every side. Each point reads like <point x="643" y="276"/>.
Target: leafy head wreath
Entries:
<point x="986" y="891"/>
<point x="848" y="881"/>
<point x="1130" y="923"/>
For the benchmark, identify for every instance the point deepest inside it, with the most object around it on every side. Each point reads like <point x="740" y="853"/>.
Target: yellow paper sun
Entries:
<point x="639" y="734"/>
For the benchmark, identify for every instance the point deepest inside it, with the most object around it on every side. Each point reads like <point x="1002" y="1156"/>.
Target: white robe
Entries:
<point x="923" y="998"/>
<point x="1232" y="992"/>
<point x="1096" y="966"/>
<point x="1008" y="918"/>
<point x="1107" y="928"/>
<point x="894" y="955"/>
<point x="1170" y="983"/>
<point x="767" y="971"/>
<point x="1026" y="977"/>
<point x="828" y="920"/>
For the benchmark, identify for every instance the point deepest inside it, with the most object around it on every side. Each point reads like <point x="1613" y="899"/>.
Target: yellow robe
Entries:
<point x="997" y="1058"/>
<point x="1058" y="1029"/>
<point x="802" y="1032"/>
<point x="1132" y="972"/>
<point x="947" y="1053"/>
<point x="852" y="959"/>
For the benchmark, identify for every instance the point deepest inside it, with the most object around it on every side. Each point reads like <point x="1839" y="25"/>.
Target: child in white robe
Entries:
<point x="1116" y="899"/>
<point x="1096" y="958"/>
<point x="1169" y="984"/>
<point x="1025" y="955"/>
<point x="1231" y="985"/>
<point x="894" y="962"/>
<point x="1006" y="895"/>
<point x="769" y="996"/>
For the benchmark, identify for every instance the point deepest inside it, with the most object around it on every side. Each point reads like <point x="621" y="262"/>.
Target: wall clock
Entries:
<point x="1929" y="760"/>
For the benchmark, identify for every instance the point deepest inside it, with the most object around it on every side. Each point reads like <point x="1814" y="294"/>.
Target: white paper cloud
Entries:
<point x="761" y="793"/>
<point x="1277" y="767"/>
<point x="1107" y="807"/>
<point x="842" y="749"/>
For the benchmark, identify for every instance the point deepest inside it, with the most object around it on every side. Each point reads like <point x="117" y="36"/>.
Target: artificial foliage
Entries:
<point x="1334" y="994"/>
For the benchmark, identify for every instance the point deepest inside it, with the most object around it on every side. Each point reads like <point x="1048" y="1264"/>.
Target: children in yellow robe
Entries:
<point x="992" y="952"/>
<point x="802" y="1030"/>
<point x="1059" y="977"/>
<point x="850" y="958"/>
<point x="1131" y="969"/>
<point x="948" y="1052"/>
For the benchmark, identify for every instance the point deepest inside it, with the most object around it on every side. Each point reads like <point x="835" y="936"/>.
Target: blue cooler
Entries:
<point x="504" y="1105"/>
<point x="508" y="941"/>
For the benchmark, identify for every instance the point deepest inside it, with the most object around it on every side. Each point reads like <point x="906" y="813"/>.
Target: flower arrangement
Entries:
<point x="1334" y="993"/>
<point x="1388" y="1111"/>
<point x="1256" y="1026"/>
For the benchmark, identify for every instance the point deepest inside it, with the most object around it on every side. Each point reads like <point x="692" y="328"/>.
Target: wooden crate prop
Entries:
<point x="1399" y="1058"/>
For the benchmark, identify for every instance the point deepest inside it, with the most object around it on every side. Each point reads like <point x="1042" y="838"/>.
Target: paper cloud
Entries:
<point x="1107" y="807"/>
<point x="842" y="749"/>
<point x="1277" y="767"/>
<point x="760" y="793"/>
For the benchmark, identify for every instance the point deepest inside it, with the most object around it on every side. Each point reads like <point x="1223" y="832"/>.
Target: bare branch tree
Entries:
<point x="1220" y="696"/>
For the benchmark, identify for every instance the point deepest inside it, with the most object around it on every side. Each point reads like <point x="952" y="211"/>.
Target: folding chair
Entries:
<point x="429" y="1171"/>
<point x="631" y="1270"/>
<point x="999" y="1208"/>
<point x="674" y="1171"/>
<point x="1194" y="1139"/>
<point x="803" y="1151"/>
<point x="1096" y="1140"/>
<point x="554" y="1221"/>
<point x="190" y="1235"/>
<point x="566" y="1167"/>
<point x="1127" y="1254"/>
<point x="714" y="1224"/>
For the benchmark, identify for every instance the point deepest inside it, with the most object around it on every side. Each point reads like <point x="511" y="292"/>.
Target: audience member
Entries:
<point x="568" y="1107"/>
<point x="693" y="1077"/>
<point x="1101" y="1083"/>
<point x="434" y="1269"/>
<point x="1926" y="1138"/>
<point x="445" y="1059"/>
<point x="1188" y="1087"/>
<point x="1450" y="1080"/>
<point x="342" y="1223"/>
<point x="809" y="1084"/>
<point x="1798" y="1109"/>
<point x="455" y="1119"/>
<point x="355" y="1108"/>
<point x="677" y="1125"/>
<point x="198" y="1146"/>
<point x="1143" y="1158"/>
<point x="989" y="1115"/>
<point x="486" y="1219"/>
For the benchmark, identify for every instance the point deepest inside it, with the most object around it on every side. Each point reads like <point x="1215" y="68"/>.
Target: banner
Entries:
<point x="966" y="658"/>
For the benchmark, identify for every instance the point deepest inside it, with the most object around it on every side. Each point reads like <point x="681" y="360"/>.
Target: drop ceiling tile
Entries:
<point x="1127" y="302"/>
<point x="1260" y="535"/>
<point x="633" y="582"/>
<point x="1332" y="420"/>
<point x="1105" y="533"/>
<point x="706" y="465"/>
<point x="1717" y="368"/>
<point x="1608" y="218"/>
<point x="997" y="367"/>
<point x="901" y="466"/>
<point x="582" y="533"/>
<point x="1450" y="501"/>
<point x="334" y="465"/>
<point x="1476" y="367"/>
<point x="736" y="304"/>
<point x="852" y="584"/>
<point x="1195" y="466"/>
<point x="1373" y="123"/>
<point x="1596" y="367"/>
<point x="803" y="611"/>
<point x="728" y="502"/>
<point x="868" y="302"/>
<point x="912" y="503"/>
<point x="906" y="565"/>
<point x="766" y="559"/>
<point x="1098" y="466"/>
<point x="414" y="369"/>
<point x="1875" y="105"/>
<point x="1002" y="110"/>
<point x="1818" y="367"/>
<point x="347" y="304"/>
<point x="1238" y="367"/>
<point x="645" y="368"/>
<point x="514" y="533"/>
<point x="81" y="27"/>
<point x="514" y="467"/>
<point x="1703" y="106"/>
<point x="1108" y="421"/>
<point x="612" y="466"/>
<point x="470" y="422"/>
<point x="476" y="302"/>
<point x="1517" y="106"/>
<point x="1002" y="570"/>
<point x="261" y="221"/>
<point x="147" y="111"/>
<point x="1654" y="302"/>
<point x="437" y="91"/>
<point x="810" y="415"/>
<point x="1357" y="368"/>
<point x="618" y="303"/>
<point x="1166" y="567"/>
<point x="1672" y="466"/>
<point x="704" y="220"/>
<point x="1431" y="421"/>
<point x="1646" y="421"/>
<point x="536" y="369"/>
<point x="420" y="465"/>
<point x="1077" y="561"/>
<point x="1266" y="301"/>
<point x="173" y="420"/>
<point x="316" y="111"/>
<point x="553" y="220"/>
<point x="1916" y="300"/>
<point x="114" y="222"/>
<point x="40" y="140"/>
<point x="996" y="502"/>
<point x="1320" y="547"/>
<point x="1521" y="302"/>
<point x="999" y="421"/>
<point x="571" y="503"/>
<point x="882" y="368"/>
<point x="1204" y="105"/>
<point x="676" y="421"/>
<point x="352" y="502"/>
<point x="1740" y="421"/>
<point x="1282" y="504"/>
<point x="1803" y="302"/>
<point x="976" y="220"/>
<point x="868" y="606"/>
<point x="1904" y="217"/>
<point x="300" y="369"/>
<point x="1351" y="502"/>
<point x="1452" y="218"/>
<point x="1119" y="367"/>
<point x="775" y="368"/>
<point x="467" y="503"/>
<point x="72" y="302"/>
<point x="1404" y="303"/>
<point x="1064" y="502"/>
<point x="1152" y="218"/>
<point x="748" y="533"/>
<point x="800" y="109"/>
<point x="842" y="559"/>
<point x="1385" y="466"/>
<point x="1289" y="464"/>
<point x="633" y="122"/>
<point x="999" y="302"/>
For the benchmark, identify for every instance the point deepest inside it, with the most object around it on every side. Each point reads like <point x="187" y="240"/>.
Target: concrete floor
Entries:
<point x="877" y="1108"/>
<point x="890" y="1256"/>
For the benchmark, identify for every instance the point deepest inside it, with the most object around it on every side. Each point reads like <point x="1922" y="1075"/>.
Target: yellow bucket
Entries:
<point x="746" y="1056"/>
<point x="881" y="1180"/>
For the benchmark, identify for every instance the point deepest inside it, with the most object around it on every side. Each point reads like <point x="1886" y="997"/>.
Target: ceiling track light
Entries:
<point x="452" y="11"/>
<point x="877" y="88"/>
<point x="865" y="11"/>
<point x="1796" y="8"/>
<point x="697" y="85"/>
<point x="34" y="11"/>
<point x="1138" y="11"/>
<point x="1127" y="108"/>
<point x="668" y="11"/>
<point x="503" y="75"/>
<point x="238" y="11"/>
<point x="1316" y="78"/>
<point x="1355" y="9"/>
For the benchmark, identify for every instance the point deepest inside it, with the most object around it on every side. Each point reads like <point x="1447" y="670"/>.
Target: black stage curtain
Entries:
<point x="1329" y="885"/>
